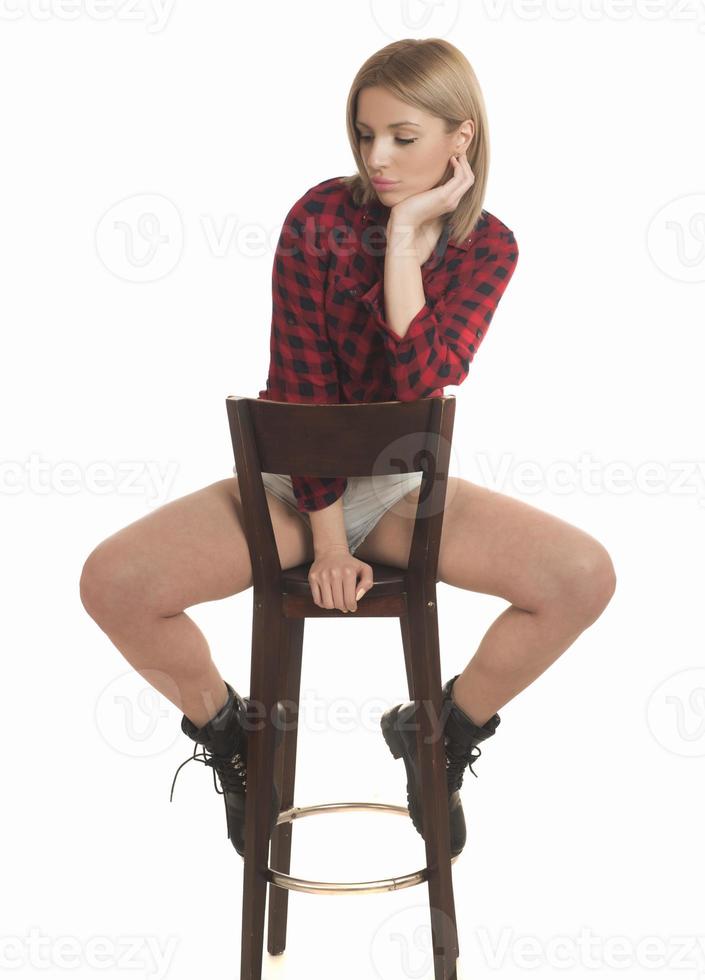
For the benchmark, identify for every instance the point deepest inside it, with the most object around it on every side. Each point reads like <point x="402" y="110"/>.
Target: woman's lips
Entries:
<point x="384" y="183"/>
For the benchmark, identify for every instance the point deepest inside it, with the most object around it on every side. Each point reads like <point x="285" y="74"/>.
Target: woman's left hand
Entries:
<point x="415" y="211"/>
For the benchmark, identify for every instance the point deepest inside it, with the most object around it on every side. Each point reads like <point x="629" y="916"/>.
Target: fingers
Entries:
<point x="458" y="182"/>
<point x="328" y="592"/>
<point x="366" y="581"/>
<point x="462" y="175"/>
<point x="334" y="583"/>
<point x="335" y="589"/>
<point x="344" y="590"/>
<point x="467" y="169"/>
<point x="350" y="588"/>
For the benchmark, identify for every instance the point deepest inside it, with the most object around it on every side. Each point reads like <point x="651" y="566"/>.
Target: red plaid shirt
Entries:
<point x="329" y="340"/>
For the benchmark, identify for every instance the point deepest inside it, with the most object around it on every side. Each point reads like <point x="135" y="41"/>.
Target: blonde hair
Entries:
<point x="436" y="77"/>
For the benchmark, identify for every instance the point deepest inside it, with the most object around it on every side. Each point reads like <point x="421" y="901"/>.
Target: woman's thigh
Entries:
<point x="497" y="545"/>
<point x="188" y="551"/>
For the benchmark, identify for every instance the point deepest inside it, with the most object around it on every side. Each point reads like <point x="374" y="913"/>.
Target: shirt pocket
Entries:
<point x="351" y="327"/>
<point x="350" y="300"/>
<point x="348" y="290"/>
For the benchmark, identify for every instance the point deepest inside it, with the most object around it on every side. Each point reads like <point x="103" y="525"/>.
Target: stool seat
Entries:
<point x="387" y="579"/>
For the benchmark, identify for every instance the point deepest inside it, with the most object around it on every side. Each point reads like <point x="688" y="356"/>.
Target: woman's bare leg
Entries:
<point x="137" y="583"/>
<point x="557" y="578"/>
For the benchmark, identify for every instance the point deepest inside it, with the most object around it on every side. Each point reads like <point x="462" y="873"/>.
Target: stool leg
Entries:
<point x="264" y="670"/>
<point x="406" y="643"/>
<point x="426" y="678"/>
<point x="289" y="690"/>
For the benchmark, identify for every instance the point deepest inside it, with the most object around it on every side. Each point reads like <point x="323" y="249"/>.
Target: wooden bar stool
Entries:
<point x="359" y="439"/>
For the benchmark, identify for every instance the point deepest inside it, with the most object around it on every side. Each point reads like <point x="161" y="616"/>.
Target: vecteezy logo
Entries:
<point x="676" y="238"/>
<point x="410" y="461"/>
<point x="676" y="712"/>
<point x="134" y="718"/>
<point x="140" y="238"/>
<point x="402" y="945"/>
<point x="415" y="18"/>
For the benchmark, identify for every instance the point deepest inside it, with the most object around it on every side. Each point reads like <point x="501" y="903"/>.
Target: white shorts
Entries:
<point x="365" y="499"/>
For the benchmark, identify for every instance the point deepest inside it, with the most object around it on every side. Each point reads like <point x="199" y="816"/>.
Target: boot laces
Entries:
<point x="458" y="757"/>
<point x="232" y="770"/>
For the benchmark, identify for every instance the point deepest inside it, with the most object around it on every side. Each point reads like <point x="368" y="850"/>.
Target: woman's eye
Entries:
<point x="398" y="139"/>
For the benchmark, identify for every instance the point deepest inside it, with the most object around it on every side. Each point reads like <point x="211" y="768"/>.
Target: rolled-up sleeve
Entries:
<point x="302" y="366"/>
<point x="444" y="336"/>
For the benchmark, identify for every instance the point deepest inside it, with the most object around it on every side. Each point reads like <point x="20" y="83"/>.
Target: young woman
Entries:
<point x="381" y="291"/>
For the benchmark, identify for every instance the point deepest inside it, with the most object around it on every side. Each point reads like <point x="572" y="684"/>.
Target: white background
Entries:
<point x="586" y="818"/>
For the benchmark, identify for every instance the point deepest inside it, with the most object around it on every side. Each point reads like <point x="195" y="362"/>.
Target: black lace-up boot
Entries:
<point x="224" y="741"/>
<point x="461" y="737"/>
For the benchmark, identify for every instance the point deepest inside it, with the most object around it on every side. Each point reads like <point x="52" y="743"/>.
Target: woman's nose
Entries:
<point x="378" y="158"/>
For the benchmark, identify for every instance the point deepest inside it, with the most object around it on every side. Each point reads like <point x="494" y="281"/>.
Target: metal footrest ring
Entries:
<point x="345" y="887"/>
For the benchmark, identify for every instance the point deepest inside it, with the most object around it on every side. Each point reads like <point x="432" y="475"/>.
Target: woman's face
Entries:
<point x="416" y="155"/>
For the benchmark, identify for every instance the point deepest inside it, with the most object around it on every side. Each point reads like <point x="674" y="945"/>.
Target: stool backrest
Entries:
<point x="359" y="439"/>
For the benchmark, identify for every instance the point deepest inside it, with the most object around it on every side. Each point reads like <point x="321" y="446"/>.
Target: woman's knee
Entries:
<point x="93" y="585"/>
<point x="109" y="581"/>
<point x="189" y="551"/>
<point x="588" y="581"/>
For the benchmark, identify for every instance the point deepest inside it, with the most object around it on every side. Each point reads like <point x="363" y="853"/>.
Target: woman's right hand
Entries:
<point x="333" y="578"/>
